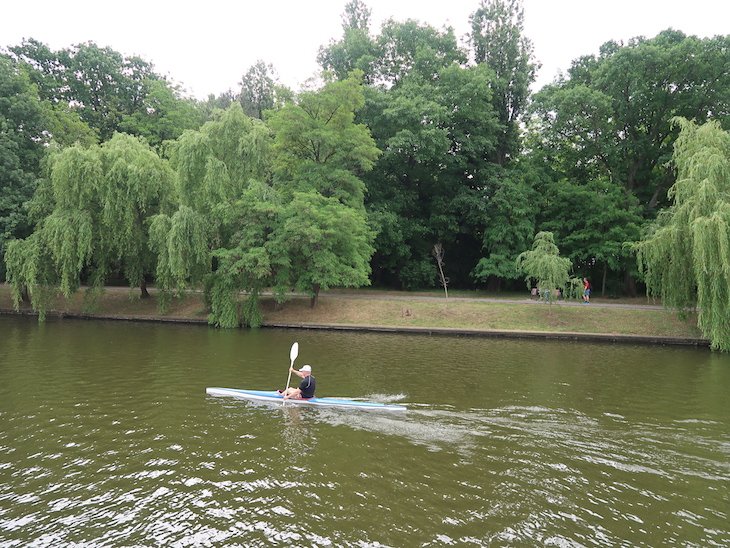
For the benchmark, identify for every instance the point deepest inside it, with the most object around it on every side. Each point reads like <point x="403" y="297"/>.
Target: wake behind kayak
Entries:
<point x="275" y="397"/>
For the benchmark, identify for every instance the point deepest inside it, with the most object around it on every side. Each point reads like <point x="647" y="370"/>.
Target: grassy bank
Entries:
<point x="396" y="309"/>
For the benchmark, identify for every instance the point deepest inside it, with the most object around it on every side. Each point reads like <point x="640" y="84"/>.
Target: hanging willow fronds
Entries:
<point x="686" y="256"/>
<point x="544" y="264"/>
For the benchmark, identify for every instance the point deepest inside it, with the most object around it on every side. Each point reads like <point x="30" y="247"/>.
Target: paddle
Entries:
<point x="293" y="353"/>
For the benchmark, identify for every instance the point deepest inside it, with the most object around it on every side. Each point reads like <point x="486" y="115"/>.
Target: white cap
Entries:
<point x="306" y="368"/>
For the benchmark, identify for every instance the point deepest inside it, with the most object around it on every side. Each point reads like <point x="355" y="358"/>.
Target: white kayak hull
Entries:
<point x="275" y="397"/>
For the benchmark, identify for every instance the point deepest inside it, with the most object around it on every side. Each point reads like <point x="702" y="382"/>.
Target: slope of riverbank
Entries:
<point x="393" y="311"/>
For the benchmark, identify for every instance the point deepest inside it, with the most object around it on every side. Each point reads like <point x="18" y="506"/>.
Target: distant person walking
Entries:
<point x="586" y="291"/>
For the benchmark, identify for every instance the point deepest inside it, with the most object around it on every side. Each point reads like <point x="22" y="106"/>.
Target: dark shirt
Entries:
<point x="307" y="386"/>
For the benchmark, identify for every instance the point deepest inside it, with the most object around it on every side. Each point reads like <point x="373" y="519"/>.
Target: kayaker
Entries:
<point x="306" y="387"/>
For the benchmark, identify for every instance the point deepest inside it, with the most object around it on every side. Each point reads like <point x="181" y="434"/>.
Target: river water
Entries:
<point x="107" y="438"/>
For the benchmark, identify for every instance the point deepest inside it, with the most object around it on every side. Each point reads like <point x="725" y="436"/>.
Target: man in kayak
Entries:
<point x="306" y="387"/>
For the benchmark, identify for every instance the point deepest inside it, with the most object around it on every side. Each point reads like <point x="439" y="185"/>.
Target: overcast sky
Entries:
<point x="207" y="46"/>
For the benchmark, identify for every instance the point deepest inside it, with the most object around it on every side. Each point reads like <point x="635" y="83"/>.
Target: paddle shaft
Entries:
<point x="288" y="379"/>
<point x="293" y="353"/>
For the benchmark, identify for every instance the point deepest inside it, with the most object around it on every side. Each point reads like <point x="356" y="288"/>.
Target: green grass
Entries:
<point x="375" y="308"/>
<point x="485" y="315"/>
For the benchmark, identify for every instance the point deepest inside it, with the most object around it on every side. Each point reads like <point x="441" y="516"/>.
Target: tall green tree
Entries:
<point x="249" y="262"/>
<point x="436" y="183"/>
<point x="356" y="50"/>
<point x="258" y="90"/>
<point x="136" y="185"/>
<point x="498" y="41"/>
<point x="211" y="237"/>
<point x="320" y="154"/>
<point x="164" y="114"/>
<point x="415" y="50"/>
<point x="685" y="257"/>
<point x="99" y="200"/>
<point x="318" y="146"/>
<point x="506" y="216"/>
<point x="403" y="188"/>
<point x="217" y="102"/>
<point x="23" y="123"/>
<point x="592" y="221"/>
<point x="109" y="91"/>
<point x="322" y="243"/>
<point x="610" y="116"/>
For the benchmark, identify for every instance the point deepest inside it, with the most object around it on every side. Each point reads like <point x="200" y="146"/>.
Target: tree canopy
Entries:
<point x="611" y="115"/>
<point x="685" y="257"/>
<point x="109" y="91"/>
<point x="98" y="201"/>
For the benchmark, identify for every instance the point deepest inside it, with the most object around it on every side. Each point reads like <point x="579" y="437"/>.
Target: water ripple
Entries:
<point x="107" y="439"/>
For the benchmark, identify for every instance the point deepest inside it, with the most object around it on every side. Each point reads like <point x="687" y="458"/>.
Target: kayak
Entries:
<point x="273" y="396"/>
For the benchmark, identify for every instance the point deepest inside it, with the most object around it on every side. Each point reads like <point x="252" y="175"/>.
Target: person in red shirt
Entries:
<point x="586" y="291"/>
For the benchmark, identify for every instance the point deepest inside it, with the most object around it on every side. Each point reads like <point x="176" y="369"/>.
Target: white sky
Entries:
<point x="207" y="46"/>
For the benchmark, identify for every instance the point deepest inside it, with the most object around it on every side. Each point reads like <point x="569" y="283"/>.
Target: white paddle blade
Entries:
<point x="294" y="352"/>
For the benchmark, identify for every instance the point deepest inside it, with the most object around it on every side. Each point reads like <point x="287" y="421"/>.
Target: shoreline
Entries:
<point x="370" y="328"/>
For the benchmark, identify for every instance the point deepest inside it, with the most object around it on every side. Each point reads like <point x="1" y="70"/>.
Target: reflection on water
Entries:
<point x="107" y="438"/>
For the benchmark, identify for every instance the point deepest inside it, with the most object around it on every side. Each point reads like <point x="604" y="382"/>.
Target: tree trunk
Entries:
<point x="494" y="283"/>
<point x="315" y="296"/>
<point x="143" y="289"/>
<point x="25" y="295"/>
<point x="603" y="285"/>
<point x="629" y="285"/>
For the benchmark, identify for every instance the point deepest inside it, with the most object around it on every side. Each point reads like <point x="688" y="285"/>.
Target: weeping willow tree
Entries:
<point x="64" y="241"/>
<point x="544" y="265"/>
<point x="96" y="208"/>
<point x="180" y="244"/>
<point x="136" y="185"/>
<point x="213" y="237"/>
<point x="685" y="258"/>
<point x="30" y="270"/>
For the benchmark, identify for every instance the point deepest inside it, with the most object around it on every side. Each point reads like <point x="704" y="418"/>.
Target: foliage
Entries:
<point x="97" y="205"/>
<point x="65" y="127"/>
<point x="498" y="42"/>
<point x="411" y="141"/>
<point x="356" y="50"/>
<point x="686" y="257"/>
<point x="610" y="116"/>
<point x="246" y="264"/>
<point x="22" y="138"/>
<point x="258" y="90"/>
<point x="318" y="146"/>
<point x="162" y="116"/>
<point x="438" y="126"/>
<point x="217" y="233"/>
<point x="30" y="268"/>
<point x="544" y="265"/>
<point x="410" y="49"/>
<point x="108" y="91"/>
<point x="592" y="221"/>
<point x="435" y="181"/>
<point x="322" y="243"/>
<point x="136" y="185"/>
<point x="217" y="102"/>
<point x="323" y="238"/>
<point x="509" y="222"/>
<point x="180" y="244"/>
